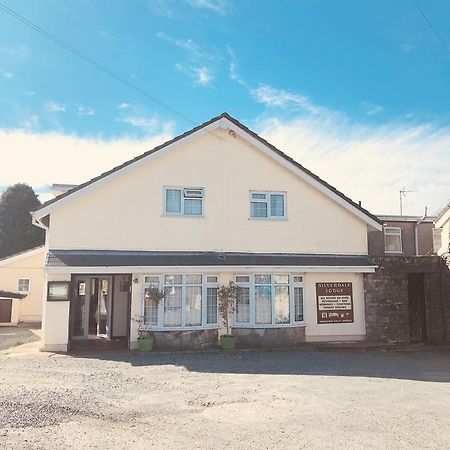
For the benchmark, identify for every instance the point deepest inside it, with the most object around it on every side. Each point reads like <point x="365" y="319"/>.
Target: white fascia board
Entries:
<point x="39" y="214"/>
<point x="18" y="257"/>
<point x="209" y="269"/>
<point x="442" y="220"/>
<point x="226" y="123"/>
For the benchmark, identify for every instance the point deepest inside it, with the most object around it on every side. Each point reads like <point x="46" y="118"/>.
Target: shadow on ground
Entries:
<point x="14" y="336"/>
<point x="431" y="364"/>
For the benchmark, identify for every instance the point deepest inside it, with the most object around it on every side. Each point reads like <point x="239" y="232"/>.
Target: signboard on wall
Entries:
<point x="334" y="302"/>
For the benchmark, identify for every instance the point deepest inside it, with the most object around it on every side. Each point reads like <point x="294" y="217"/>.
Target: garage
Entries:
<point x="9" y="304"/>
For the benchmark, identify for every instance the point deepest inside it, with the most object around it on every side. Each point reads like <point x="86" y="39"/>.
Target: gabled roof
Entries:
<point x="443" y="216"/>
<point x="18" y="256"/>
<point x="226" y="121"/>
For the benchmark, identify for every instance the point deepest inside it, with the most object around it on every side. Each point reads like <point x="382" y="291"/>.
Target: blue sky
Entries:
<point x="342" y="86"/>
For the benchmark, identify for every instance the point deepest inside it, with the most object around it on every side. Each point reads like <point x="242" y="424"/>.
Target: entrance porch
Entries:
<point x="99" y="314"/>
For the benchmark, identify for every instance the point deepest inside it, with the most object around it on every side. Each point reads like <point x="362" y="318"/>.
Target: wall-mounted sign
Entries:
<point x="58" y="291"/>
<point x="334" y="302"/>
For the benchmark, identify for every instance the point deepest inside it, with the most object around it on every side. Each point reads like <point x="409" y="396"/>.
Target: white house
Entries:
<point x="215" y="204"/>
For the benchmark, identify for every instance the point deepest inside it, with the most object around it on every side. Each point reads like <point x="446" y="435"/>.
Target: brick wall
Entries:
<point x="387" y="302"/>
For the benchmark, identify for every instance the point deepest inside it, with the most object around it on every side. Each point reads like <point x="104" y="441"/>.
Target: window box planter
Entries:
<point x="228" y="342"/>
<point x="146" y="344"/>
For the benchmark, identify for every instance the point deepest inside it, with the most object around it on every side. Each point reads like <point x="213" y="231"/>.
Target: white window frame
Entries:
<point x="267" y="202"/>
<point x="160" y="323"/>
<point x="182" y="190"/>
<point x="388" y="231"/>
<point x="29" y="285"/>
<point x="251" y="285"/>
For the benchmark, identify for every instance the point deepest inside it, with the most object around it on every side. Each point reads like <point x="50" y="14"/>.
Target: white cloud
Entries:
<point x="201" y="75"/>
<point x="161" y="8"/>
<point x="18" y="51"/>
<point x="8" y="75"/>
<point x="85" y="111"/>
<point x="149" y="124"/>
<point x="123" y="106"/>
<point x="189" y="45"/>
<point x="371" y="108"/>
<point x="45" y="158"/>
<point x="370" y="163"/>
<point x="29" y="93"/>
<point x="218" y="6"/>
<point x="55" y="107"/>
<point x="233" y="72"/>
<point x="280" y="98"/>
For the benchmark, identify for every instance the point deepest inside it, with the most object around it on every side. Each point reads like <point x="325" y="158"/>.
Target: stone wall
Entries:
<point x="185" y="340"/>
<point x="269" y="337"/>
<point x="387" y="302"/>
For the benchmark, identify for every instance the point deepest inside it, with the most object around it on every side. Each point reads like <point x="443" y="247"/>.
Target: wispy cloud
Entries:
<point x="189" y="45"/>
<point x="371" y="108"/>
<point x="123" y="106"/>
<point x="280" y="98"/>
<point x="8" y="75"/>
<point x="201" y="75"/>
<point x="29" y="93"/>
<point x="18" y="51"/>
<point x="218" y="6"/>
<point x="85" y="111"/>
<point x="161" y="8"/>
<point x="54" y="107"/>
<point x="233" y="70"/>
<point x="369" y="163"/>
<point x="140" y="122"/>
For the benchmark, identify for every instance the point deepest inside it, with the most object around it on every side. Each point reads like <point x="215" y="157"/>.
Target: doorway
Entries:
<point x="417" y="312"/>
<point x="91" y="307"/>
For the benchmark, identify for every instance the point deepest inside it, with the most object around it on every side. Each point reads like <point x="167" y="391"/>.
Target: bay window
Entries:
<point x="269" y="300"/>
<point x="190" y="301"/>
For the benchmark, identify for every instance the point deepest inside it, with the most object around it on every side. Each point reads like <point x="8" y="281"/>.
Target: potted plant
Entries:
<point x="152" y="295"/>
<point x="227" y="296"/>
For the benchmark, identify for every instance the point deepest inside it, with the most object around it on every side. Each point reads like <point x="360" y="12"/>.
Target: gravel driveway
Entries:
<point x="248" y="400"/>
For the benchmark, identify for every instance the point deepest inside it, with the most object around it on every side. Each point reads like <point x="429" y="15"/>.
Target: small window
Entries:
<point x="392" y="240"/>
<point x="184" y="201"/>
<point x="23" y="285"/>
<point x="297" y="278"/>
<point x="269" y="205"/>
<point x="242" y="278"/>
<point x="212" y="279"/>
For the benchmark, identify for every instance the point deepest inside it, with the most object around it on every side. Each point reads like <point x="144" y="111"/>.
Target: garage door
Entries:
<point x="5" y="310"/>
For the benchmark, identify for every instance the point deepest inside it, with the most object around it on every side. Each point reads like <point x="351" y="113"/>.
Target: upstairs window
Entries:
<point x="392" y="240"/>
<point x="23" y="285"/>
<point x="267" y="205"/>
<point x="183" y="201"/>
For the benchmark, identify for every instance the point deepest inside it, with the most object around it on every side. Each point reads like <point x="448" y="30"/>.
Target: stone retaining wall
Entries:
<point x="269" y="337"/>
<point x="185" y="340"/>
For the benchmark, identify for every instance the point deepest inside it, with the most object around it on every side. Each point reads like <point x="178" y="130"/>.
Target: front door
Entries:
<point x="91" y="307"/>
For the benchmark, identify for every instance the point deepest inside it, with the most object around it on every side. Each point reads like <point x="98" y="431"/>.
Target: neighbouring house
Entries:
<point x="402" y="236"/>
<point x="213" y="205"/>
<point x="22" y="287"/>
<point x="442" y="228"/>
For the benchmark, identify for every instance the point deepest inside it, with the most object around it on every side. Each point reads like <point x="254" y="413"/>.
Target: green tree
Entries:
<point x="17" y="233"/>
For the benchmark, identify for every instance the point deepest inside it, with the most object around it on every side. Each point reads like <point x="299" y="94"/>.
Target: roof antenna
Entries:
<point x="403" y="191"/>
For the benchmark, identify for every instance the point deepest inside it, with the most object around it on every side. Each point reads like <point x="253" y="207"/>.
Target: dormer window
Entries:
<point x="183" y="201"/>
<point x="267" y="205"/>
